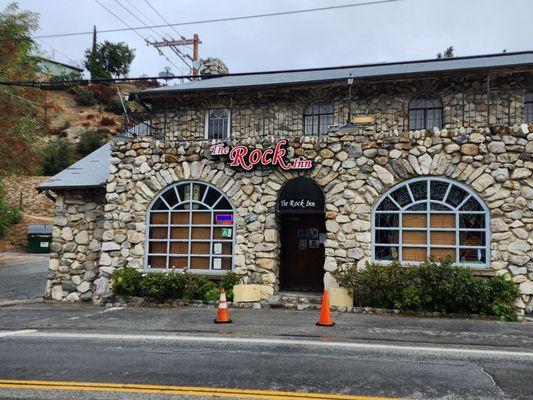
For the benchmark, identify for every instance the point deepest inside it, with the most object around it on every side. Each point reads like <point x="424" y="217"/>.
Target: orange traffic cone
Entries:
<point x="222" y="313"/>
<point x="325" y="315"/>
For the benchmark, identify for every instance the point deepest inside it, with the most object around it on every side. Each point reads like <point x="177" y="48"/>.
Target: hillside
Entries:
<point x="66" y="119"/>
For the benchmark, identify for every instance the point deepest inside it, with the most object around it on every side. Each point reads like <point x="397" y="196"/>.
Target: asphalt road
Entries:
<point x="269" y="350"/>
<point x="22" y="276"/>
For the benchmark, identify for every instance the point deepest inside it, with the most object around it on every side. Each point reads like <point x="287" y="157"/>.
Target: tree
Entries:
<point x="57" y="156"/>
<point x="89" y="142"/>
<point x="22" y="117"/>
<point x="108" y="59"/>
<point x="448" y="53"/>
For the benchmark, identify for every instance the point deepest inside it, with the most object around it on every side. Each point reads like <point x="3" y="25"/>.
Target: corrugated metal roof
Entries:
<point x="39" y="229"/>
<point x="491" y="61"/>
<point x="89" y="172"/>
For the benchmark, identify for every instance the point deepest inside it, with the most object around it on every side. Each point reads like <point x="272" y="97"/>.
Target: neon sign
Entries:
<point x="248" y="158"/>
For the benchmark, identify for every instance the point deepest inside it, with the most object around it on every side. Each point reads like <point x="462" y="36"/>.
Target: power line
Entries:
<point x="164" y="20"/>
<point x="134" y="30"/>
<point x="238" y="18"/>
<point x="178" y="53"/>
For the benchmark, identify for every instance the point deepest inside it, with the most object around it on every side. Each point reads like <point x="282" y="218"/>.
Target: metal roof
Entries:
<point x="89" y="172"/>
<point x="482" y="62"/>
<point x="39" y="229"/>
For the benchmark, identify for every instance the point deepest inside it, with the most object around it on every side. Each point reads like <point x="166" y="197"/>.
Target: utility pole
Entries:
<point x="174" y="45"/>
<point x="93" y="52"/>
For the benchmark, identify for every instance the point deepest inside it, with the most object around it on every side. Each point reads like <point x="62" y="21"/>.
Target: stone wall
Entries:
<point x="354" y="168"/>
<point x="467" y="102"/>
<point x="75" y="247"/>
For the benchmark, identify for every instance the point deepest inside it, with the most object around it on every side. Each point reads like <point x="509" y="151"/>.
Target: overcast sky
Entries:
<point x="405" y="30"/>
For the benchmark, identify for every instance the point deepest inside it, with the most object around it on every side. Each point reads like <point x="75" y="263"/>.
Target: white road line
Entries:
<point x="13" y="333"/>
<point x="261" y="341"/>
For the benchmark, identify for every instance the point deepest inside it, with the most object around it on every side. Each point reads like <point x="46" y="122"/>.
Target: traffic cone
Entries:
<point x="325" y="314"/>
<point x="222" y="313"/>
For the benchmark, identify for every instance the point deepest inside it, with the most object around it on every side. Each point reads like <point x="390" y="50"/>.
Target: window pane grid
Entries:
<point x="415" y="234"/>
<point x="185" y="235"/>
<point x="318" y="117"/>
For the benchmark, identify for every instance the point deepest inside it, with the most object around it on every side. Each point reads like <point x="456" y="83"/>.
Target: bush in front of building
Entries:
<point x="128" y="282"/>
<point x="9" y="215"/>
<point x="430" y="286"/>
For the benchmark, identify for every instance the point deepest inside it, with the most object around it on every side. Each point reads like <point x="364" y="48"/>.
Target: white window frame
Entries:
<point x="172" y="208"/>
<point x="228" y="129"/>
<point x="457" y="229"/>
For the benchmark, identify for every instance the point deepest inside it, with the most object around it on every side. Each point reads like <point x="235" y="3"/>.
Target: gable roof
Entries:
<point x="382" y="70"/>
<point x="89" y="172"/>
<point x="47" y="60"/>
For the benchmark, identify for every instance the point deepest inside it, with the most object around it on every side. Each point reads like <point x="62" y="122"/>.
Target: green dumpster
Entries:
<point x="39" y="238"/>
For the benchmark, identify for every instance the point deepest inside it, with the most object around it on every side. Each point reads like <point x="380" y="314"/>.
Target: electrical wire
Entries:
<point x="135" y="30"/>
<point x="165" y="21"/>
<point x="178" y="53"/>
<point x="238" y="18"/>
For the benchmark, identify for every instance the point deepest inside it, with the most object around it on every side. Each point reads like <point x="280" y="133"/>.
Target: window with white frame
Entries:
<point x="431" y="218"/>
<point x="217" y="124"/>
<point x="191" y="226"/>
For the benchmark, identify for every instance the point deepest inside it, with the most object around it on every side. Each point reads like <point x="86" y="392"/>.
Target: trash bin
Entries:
<point x="39" y="238"/>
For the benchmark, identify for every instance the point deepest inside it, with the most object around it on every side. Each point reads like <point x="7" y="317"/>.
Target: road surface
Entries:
<point x="182" y="354"/>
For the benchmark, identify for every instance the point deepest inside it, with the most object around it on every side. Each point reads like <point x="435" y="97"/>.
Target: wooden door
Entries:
<point x="302" y="252"/>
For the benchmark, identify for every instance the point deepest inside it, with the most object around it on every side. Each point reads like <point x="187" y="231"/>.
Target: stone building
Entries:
<point x="287" y="176"/>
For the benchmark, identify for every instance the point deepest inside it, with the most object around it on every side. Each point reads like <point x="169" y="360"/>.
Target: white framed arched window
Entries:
<point x="191" y="226"/>
<point x="431" y="218"/>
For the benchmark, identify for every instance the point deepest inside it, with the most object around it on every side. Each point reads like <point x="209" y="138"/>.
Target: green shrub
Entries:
<point x="115" y="106"/>
<point x="84" y="97"/>
<point x="89" y="142"/>
<point x="126" y="282"/>
<point x="56" y="156"/>
<point x="64" y="77"/>
<point x="9" y="215"/>
<point x="430" y="286"/>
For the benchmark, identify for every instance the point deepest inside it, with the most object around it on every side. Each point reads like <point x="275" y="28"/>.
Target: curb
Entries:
<point x="8" y="303"/>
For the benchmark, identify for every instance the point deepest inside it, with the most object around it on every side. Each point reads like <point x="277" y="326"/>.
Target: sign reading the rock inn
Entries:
<point x="247" y="158"/>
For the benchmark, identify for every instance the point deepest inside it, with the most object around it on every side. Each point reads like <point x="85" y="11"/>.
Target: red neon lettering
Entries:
<point x="266" y="159"/>
<point x="236" y="157"/>
<point x="279" y="153"/>
<point x="255" y="156"/>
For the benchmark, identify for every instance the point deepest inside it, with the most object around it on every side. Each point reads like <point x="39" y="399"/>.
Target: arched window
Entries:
<point x="318" y="117"/>
<point x="425" y="112"/>
<point x="191" y="226"/>
<point x="431" y="217"/>
<point x="528" y="108"/>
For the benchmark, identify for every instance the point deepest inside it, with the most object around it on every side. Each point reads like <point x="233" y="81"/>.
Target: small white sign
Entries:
<point x="217" y="263"/>
<point x="217" y="248"/>
<point x="44" y="244"/>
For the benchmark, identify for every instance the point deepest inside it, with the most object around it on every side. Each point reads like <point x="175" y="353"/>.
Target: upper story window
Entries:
<point x="318" y="117"/>
<point x="528" y="108"/>
<point x="217" y="124"/>
<point x="425" y="112"/>
<point x="431" y="218"/>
